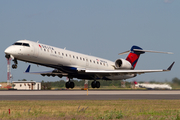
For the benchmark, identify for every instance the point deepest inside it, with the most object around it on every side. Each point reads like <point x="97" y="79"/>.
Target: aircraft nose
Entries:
<point x="9" y="51"/>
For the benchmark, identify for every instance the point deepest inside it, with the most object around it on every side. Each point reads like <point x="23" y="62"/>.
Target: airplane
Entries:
<point x="153" y="86"/>
<point x="71" y="64"/>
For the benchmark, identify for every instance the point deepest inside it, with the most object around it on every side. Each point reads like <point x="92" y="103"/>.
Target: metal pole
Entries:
<point x="8" y="71"/>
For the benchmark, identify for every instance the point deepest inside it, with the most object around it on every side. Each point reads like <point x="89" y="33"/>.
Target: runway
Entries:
<point x="89" y="95"/>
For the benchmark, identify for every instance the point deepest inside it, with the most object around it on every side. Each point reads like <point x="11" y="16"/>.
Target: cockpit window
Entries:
<point x="22" y="44"/>
<point x="17" y="43"/>
<point x="26" y="44"/>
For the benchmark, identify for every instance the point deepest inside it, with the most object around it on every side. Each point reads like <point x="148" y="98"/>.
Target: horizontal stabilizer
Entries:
<point x="152" y="51"/>
<point x="135" y="49"/>
<point x="126" y="52"/>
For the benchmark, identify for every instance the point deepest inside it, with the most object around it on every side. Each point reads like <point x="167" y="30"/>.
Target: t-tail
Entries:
<point x="135" y="53"/>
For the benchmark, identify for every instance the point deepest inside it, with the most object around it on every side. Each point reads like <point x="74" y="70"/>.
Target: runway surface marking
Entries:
<point x="64" y="92"/>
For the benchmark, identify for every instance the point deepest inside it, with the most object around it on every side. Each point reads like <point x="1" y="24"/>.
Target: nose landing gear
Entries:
<point x="14" y="66"/>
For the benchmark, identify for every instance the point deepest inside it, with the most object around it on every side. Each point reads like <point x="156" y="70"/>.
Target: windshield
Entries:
<point x="22" y="44"/>
<point x="17" y="43"/>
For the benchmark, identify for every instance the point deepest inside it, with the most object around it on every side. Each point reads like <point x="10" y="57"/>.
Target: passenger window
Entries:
<point x="66" y="55"/>
<point x="73" y="56"/>
<point x="83" y="59"/>
<point x="80" y="58"/>
<point x="62" y="54"/>
<point x="77" y="57"/>
<point x="44" y="49"/>
<point x="55" y="52"/>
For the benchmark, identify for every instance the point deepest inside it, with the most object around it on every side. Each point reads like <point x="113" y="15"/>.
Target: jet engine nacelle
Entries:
<point x="122" y="64"/>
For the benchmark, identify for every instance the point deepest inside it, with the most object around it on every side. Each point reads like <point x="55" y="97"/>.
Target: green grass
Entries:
<point x="91" y="109"/>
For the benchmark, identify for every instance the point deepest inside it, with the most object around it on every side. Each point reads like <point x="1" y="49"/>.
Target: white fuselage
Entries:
<point x="54" y="57"/>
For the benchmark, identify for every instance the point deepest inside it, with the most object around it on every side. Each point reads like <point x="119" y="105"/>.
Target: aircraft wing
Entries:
<point x="127" y="71"/>
<point x="97" y="72"/>
<point x="48" y="73"/>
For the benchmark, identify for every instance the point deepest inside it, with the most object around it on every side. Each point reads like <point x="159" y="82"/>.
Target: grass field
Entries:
<point x="91" y="110"/>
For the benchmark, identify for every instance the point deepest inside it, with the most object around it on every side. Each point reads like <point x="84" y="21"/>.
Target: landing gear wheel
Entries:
<point x="97" y="84"/>
<point x="69" y="85"/>
<point x="93" y="84"/>
<point x="14" y="66"/>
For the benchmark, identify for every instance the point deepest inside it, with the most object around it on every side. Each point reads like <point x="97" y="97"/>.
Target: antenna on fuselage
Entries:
<point x="65" y="48"/>
<point x="38" y="41"/>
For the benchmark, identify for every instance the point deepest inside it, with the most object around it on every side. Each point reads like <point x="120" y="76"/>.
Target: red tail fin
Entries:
<point x="134" y="56"/>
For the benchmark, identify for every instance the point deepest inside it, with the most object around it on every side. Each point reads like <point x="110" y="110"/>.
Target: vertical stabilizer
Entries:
<point x="134" y="55"/>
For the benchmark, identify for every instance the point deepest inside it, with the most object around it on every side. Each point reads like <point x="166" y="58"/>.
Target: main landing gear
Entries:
<point x="95" y="84"/>
<point x="14" y="66"/>
<point x="70" y="84"/>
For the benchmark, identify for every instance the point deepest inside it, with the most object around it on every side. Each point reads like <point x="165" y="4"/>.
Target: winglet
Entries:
<point x="28" y="69"/>
<point x="170" y="67"/>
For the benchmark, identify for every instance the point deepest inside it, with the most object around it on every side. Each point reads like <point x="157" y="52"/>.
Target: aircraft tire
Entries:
<point x="97" y="84"/>
<point x="14" y="66"/>
<point x="71" y="85"/>
<point x="67" y="85"/>
<point x="93" y="84"/>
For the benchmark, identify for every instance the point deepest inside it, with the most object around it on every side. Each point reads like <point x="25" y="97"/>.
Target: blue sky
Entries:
<point x="101" y="28"/>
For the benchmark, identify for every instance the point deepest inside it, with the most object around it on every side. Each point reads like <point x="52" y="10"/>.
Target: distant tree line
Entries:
<point x="80" y="83"/>
<point x="176" y="80"/>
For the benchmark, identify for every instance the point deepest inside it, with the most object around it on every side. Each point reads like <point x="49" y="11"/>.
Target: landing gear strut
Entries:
<point x="70" y="84"/>
<point x="14" y="66"/>
<point x="95" y="84"/>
